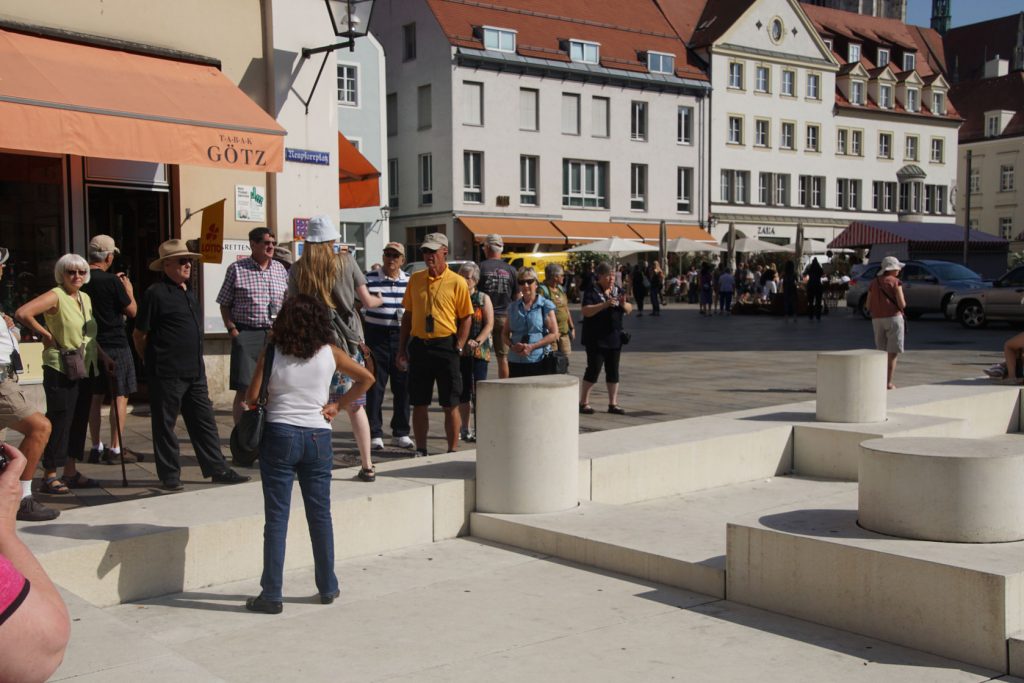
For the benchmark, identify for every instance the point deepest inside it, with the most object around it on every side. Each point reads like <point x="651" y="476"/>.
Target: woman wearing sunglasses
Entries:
<point x="532" y="328"/>
<point x="70" y="331"/>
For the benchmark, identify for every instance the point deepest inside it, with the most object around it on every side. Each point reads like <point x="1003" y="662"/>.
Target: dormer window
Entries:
<point x="913" y="104"/>
<point x="853" y="53"/>
<point x="661" y="63"/>
<point x="857" y="92"/>
<point x="938" y="104"/>
<point x="992" y="126"/>
<point x="885" y="96"/>
<point x="909" y="61"/>
<point x="584" y="51"/>
<point x="883" y="56"/>
<point x="501" y="39"/>
<point x="828" y="43"/>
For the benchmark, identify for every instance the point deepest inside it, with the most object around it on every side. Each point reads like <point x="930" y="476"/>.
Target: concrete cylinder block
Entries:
<point x="943" y="489"/>
<point x="527" y="457"/>
<point x="851" y="386"/>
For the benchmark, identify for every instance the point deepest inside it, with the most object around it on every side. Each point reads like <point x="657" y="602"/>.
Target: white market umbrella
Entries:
<point x="751" y="245"/>
<point x="684" y="244"/>
<point x="814" y="247"/>
<point x="615" y="246"/>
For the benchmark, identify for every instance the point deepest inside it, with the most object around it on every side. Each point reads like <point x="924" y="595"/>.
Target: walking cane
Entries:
<point x="117" y="426"/>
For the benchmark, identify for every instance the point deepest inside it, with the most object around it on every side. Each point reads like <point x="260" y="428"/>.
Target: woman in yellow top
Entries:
<point x="70" y="326"/>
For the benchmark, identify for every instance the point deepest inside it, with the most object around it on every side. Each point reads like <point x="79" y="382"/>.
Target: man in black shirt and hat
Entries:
<point x="169" y="337"/>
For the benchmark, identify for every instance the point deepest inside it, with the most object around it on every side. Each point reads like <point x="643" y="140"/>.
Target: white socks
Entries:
<point x="116" y="451"/>
<point x="26" y="489"/>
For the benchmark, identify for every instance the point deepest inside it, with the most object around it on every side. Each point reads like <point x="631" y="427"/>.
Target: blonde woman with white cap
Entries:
<point x="337" y="280"/>
<point x="887" y="305"/>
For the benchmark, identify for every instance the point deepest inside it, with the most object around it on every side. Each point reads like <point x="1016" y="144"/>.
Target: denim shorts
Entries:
<point x="341" y="383"/>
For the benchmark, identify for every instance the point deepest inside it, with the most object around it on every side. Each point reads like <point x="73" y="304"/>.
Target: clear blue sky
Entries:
<point x="919" y="12"/>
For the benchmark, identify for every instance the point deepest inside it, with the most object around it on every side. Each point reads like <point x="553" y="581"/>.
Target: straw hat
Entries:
<point x="172" y="249"/>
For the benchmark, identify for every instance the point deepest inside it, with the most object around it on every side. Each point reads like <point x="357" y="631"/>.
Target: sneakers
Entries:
<point x="468" y="435"/>
<point x="402" y="442"/>
<point x="229" y="477"/>
<point x="377" y="443"/>
<point x="32" y="510"/>
<point x="421" y="453"/>
<point x="112" y="458"/>
<point x="997" y="371"/>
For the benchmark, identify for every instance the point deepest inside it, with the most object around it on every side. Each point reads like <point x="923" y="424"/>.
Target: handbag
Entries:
<point x="556" y="363"/>
<point x="15" y="363"/>
<point x="625" y="337"/>
<point x="73" y="362"/>
<point x="248" y="433"/>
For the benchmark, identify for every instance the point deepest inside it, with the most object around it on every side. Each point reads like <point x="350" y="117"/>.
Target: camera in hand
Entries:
<point x="3" y="457"/>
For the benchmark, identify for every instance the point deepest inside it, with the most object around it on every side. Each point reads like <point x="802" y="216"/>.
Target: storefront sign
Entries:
<point x="766" y="230"/>
<point x="307" y="156"/>
<point x="242" y="151"/>
<point x="213" y="278"/>
<point x="250" y="203"/>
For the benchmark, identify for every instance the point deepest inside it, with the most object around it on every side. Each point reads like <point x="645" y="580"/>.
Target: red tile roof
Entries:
<point x="974" y="98"/>
<point x="543" y="26"/>
<point x="969" y="47"/>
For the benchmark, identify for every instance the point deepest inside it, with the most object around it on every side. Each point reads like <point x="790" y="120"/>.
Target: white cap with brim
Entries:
<point x="321" y="229"/>
<point x="890" y="263"/>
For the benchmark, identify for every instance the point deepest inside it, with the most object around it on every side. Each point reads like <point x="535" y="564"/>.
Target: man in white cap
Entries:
<point x="16" y="413"/>
<point x="112" y="299"/>
<point x="169" y="337"/>
<point x="435" y="326"/>
<point x="498" y="281"/>
<point x="887" y="305"/>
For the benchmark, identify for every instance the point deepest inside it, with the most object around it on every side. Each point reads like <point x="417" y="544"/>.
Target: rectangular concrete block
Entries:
<point x="671" y="458"/>
<point x="452" y="477"/>
<point x="956" y="600"/>
<point x="987" y="409"/>
<point x="1015" y="652"/>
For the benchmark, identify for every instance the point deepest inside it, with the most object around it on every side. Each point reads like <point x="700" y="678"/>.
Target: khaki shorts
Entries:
<point x="498" y="335"/>
<point x="13" y="406"/>
<point x="564" y="344"/>
<point x="889" y="333"/>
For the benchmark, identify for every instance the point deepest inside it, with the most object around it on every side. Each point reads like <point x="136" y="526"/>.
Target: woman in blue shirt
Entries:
<point x="531" y="328"/>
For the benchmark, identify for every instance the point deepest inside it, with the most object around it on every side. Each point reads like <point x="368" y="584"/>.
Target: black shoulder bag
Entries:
<point x="248" y="433"/>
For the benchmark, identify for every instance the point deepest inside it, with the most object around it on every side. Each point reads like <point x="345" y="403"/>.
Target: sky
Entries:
<point x="919" y="12"/>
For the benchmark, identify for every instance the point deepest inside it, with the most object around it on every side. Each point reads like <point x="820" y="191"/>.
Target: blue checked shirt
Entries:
<point x="253" y="293"/>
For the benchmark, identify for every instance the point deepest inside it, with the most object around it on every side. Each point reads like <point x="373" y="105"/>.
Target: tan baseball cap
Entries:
<point x="494" y="240"/>
<point x="435" y="240"/>
<point x="397" y="246"/>
<point x="103" y="243"/>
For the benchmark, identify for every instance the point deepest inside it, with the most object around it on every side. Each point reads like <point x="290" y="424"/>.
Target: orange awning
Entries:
<point x="514" y="230"/>
<point x="649" y="231"/>
<point x="579" y="232"/>
<point x="358" y="179"/>
<point x="66" y="98"/>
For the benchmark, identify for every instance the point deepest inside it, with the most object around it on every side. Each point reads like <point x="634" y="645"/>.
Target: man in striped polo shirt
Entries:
<point x="382" y="327"/>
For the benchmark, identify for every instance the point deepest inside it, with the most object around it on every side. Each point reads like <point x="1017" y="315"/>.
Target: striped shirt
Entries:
<point x="392" y="291"/>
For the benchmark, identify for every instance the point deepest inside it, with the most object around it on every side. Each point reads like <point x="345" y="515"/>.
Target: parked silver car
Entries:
<point x="1004" y="300"/>
<point x="927" y="285"/>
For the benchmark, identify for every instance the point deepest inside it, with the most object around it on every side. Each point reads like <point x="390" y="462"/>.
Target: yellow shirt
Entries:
<point x="71" y="326"/>
<point x="446" y="297"/>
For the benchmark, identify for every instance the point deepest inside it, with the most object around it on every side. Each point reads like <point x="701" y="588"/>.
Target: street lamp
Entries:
<point x="350" y="19"/>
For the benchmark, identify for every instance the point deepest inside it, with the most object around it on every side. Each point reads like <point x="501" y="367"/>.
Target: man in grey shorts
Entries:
<point x="112" y="299"/>
<point x="249" y="299"/>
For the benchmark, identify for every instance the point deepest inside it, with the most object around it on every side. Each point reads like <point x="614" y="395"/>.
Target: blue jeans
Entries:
<point x="285" y="452"/>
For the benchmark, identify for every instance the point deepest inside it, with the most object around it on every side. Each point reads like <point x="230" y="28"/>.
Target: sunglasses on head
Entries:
<point x="526" y="282"/>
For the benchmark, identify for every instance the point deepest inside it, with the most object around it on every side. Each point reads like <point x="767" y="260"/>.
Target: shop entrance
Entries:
<point x="138" y="219"/>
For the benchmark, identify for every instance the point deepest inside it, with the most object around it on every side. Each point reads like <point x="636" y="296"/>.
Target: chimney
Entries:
<point x="996" y="67"/>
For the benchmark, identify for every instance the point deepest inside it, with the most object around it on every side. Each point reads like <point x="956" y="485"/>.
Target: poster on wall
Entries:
<point x="213" y="278"/>
<point x="250" y="203"/>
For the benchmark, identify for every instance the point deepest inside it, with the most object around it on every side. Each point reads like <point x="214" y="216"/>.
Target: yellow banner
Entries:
<point x="211" y="240"/>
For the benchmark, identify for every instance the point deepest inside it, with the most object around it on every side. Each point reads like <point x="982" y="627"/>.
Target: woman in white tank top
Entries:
<point x="297" y="440"/>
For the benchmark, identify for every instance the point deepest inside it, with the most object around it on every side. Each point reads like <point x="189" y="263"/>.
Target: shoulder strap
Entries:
<point x="268" y="364"/>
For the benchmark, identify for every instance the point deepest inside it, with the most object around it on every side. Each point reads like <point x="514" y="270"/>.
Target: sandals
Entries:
<point x="368" y="475"/>
<point x="54" y="486"/>
<point x="79" y="482"/>
<point x="585" y="409"/>
<point x="616" y="410"/>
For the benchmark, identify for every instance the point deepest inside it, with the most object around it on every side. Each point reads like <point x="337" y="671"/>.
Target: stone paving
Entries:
<point x="678" y="365"/>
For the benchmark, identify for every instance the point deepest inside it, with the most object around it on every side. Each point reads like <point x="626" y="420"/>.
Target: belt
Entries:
<point x="250" y="328"/>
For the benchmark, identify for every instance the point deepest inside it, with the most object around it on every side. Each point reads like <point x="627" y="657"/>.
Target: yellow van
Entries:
<point x="536" y="260"/>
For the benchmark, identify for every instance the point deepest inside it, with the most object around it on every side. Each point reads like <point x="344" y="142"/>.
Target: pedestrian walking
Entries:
<point x="435" y="327"/>
<point x="477" y="353"/>
<point x="296" y="440"/>
<point x="789" y="291"/>
<point x="337" y="281"/>
<point x="71" y="362"/>
<point x="553" y="290"/>
<point x="249" y="299"/>
<point x="815" y="289"/>
<point x="888" y="309"/>
<point x="640" y="287"/>
<point x="113" y="299"/>
<point x="706" y="285"/>
<point x="657" y="279"/>
<point x="726" y="287"/>
<point x="16" y="413"/>
<point x="383" y="325"/>
<point x="603" y="309"/>
<point x="168" y="337"/>
<point x="532" y="327"/>
<point x="498" y="282"/>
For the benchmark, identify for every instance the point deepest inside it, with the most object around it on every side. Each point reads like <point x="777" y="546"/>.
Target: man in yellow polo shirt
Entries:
<point x="435" y="326"/>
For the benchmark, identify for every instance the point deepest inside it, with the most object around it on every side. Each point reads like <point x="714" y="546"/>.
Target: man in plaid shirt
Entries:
<point x="249" y="299"/>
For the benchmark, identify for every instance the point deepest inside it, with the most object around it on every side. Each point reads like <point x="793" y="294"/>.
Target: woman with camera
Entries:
<point x="531" y="328"/>
<point x="603" y="308"/>
<point x="297" y="439"/>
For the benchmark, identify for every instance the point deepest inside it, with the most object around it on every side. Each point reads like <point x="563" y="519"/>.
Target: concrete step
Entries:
<point x="678" y="541"/>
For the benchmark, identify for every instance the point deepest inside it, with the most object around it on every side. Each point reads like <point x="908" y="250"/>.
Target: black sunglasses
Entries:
<point x="184" y="261"/>
<point x="424" y="250"/>
<point x="392" y="254"/>
<point x="527" y="282"/>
